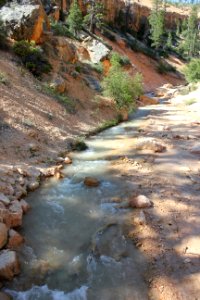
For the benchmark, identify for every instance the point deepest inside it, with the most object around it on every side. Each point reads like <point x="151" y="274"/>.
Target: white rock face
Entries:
<point x="97" y="50"/>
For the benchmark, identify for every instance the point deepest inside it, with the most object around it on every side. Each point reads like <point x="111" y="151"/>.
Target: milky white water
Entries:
<point x="75" y="245"/>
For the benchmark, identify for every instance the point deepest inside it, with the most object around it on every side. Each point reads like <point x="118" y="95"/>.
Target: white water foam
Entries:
<point x="44" y="293"/>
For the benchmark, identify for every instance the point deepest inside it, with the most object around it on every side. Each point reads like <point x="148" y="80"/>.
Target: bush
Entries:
<point x="164" y="68"/>
<point x="3" y="78"/>
<point x="62" y="98"/>
<point x="2" y="2"/>
<point x="122" y="88"/>
<point x="3" y="35"/>
<point x="79" y="145"/>
<point x="32" y="57"/>
<point x="192" y="71"/>
<point x="117" y="59"/>
<point x="60" y="29"/>
<point x="97" y="67"/>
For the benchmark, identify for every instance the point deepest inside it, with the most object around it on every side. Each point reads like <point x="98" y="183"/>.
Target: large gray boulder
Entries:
<point x="96" y="49"/>
<point x="24" y="19"/>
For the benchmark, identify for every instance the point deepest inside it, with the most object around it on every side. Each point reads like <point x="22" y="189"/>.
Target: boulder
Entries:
<point x="24" y="205"/>
<point x="15" y="214"/>
<point x="91" y="182"/>
<point x="33" y="184"/>
<point x="25" y="20"/>
<point x="14" y="239"/>
<point x="9" y="264"/>
<point x="61" y="48"/>
<point x="58" y="84"/>
<point x="3" y="235"/>
<point x="140" y="201"/>
<point x="4" y="199"/>
<point x="4" y="296"/>
<point x="97" y="50"/>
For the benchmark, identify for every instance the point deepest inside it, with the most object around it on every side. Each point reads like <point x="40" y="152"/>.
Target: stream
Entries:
<point x="76" y="248"/>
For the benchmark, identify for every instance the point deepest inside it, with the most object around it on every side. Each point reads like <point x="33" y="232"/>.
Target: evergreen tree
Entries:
<point x="75" y="18"/>
<point x="156" y="20"/>
<point x="192" y="44"/>
<point x="95" y="15"/>
<point x="178" y="28"/>
<point x="169" y="41"/>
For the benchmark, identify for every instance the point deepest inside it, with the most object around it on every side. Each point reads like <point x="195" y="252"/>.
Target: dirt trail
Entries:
<point x="170" y="238"/>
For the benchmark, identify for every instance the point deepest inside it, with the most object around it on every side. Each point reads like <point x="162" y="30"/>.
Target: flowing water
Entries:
<point x="75" y="244"/>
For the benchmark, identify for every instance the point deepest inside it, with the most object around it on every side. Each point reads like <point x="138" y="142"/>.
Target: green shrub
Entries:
<point x="190" y="101"/>
<point x="192" y="71"/>
<point x="117" y="59"/>
<point x="3" y="78"/>
<point x="32" y="57"/>
<point x="2" y="2"/>
<point x="60" y="29"/>
<point x="79" y="145"/>
<point x="163" y="68"/>
<point x="62" y="98"/>
<point x="121" y="87"/>
<point x="98" y="67"/>
<point x="3" y="36"/>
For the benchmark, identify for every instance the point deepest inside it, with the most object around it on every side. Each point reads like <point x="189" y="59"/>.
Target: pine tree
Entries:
<point x="75" y="18"/>
<point x="95" y="15"/>
<point x="156" y="20"/>
<point x="169" y="41"/>
<point x="192" y="44"/>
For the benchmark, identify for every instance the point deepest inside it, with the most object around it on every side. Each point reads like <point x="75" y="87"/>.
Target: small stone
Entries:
<point x="67" y="160"/>
<point x="140" y="201"/>
<point x="3" y="235"/>
<point x="15" y="239"/>
<point x="33" y="185"/>
<point x="91" y="182"/>
<point x="9" y="264"/>
<point x="4" y="199"/>
<point x="187" y="260"/>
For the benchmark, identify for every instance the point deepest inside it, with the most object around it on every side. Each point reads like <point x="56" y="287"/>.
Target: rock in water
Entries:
<point x="9" y="264"/>
<point x="3" y="235"/>
<point x="4" y="296"/>
<point x="91" y="182"/>
<point x="15" y="239"/>
<point x="140" y="201"/>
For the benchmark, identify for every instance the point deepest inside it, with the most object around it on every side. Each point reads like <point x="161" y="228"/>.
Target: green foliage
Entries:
<point x="118" y="60"/>
<point x="79" y="145"/>
<point x="169" y="43"/>
<point x="97" y="67"/>
<point x="192" y="41"/>
<point x="60" y="29"/>
<point x="164" y="68"/>
<point x="95" y="15"/>
<point x="121" y="87"/>
<point x="2" y="2"/>
<point x="192" y="71"/>
<point x="156" y="20"/>
<point x="190" y="101"/>
<point x="3" y="36"/>
<point x="32" y="57"/>
<point x="75" y="18"/>
<point x="62" y="98"/>
<point x="3" y="78"/>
